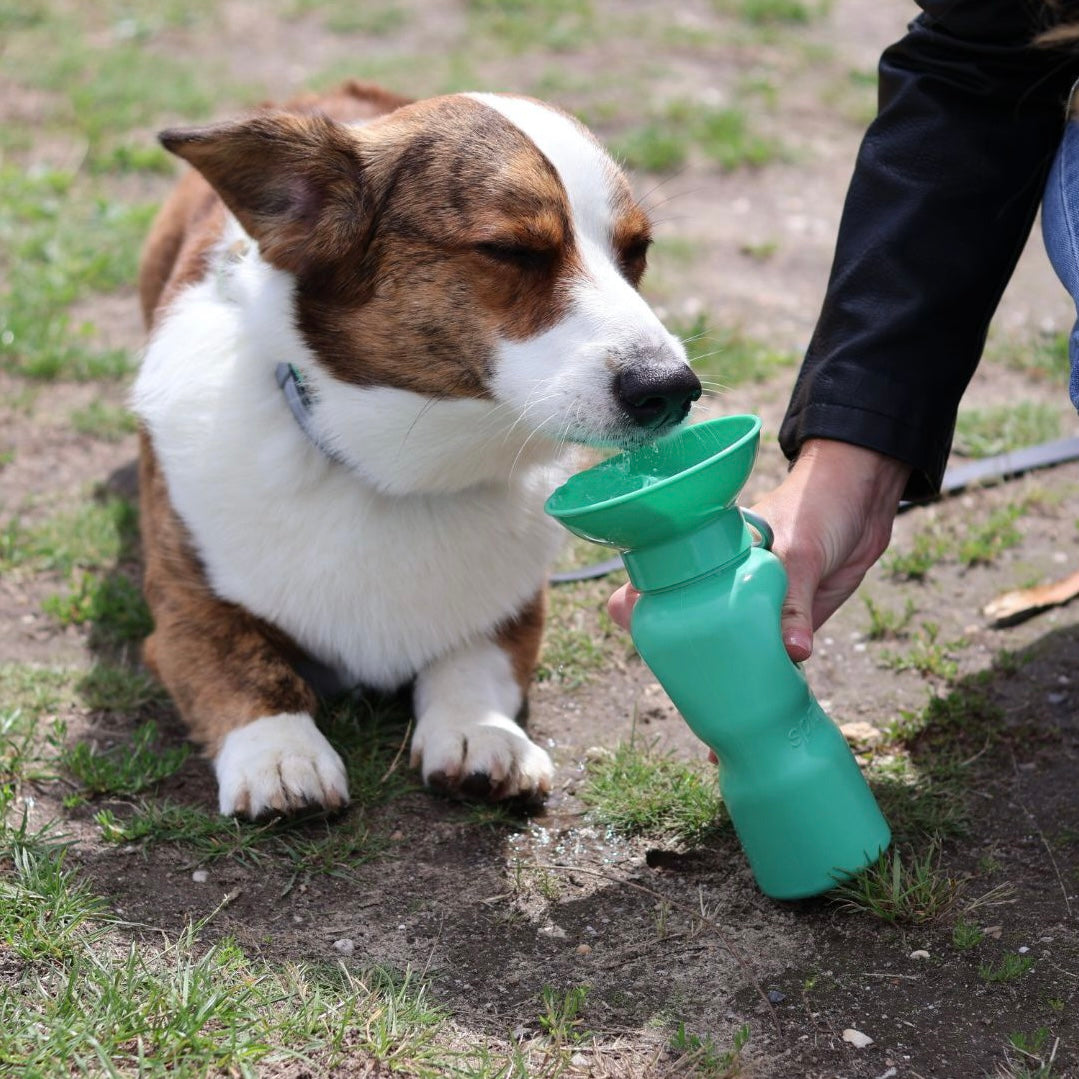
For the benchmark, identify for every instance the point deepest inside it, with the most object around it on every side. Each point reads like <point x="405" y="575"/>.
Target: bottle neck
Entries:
<point x="683" y="558"/>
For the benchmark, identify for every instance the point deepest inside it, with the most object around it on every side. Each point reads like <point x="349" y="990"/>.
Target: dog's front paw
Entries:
<point x="489" y="757"/>
<point x="279" y="764"/>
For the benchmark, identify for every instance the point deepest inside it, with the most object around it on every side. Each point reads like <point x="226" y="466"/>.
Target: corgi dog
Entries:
<point x="375" y="326"/>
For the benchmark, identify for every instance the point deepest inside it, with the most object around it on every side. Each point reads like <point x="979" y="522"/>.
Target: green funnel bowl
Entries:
<point x="668" y="488"/>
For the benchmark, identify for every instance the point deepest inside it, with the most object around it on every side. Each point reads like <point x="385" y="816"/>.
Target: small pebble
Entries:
<point x="1023" y="950"/>
<point x="200" y="876"/>
<point x="584" y="949"/>
<point x="857" y="1038"/>
<point x="776" y="997"/>
<point x="345" y="946"/>
<point x="861" y="733"/>
<point x="919" y="953"/>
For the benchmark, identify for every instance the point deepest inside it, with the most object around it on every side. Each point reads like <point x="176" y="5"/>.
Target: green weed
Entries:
<point x="109" y="688"/>
<point x="985" y="541"/>
<point x="722" y="135"/>
<point x="60" y="246"/>
<point x="1044" y="356"/>
<point x="96" y="534"/>
<point x="346" y="17"/>
<point x="966" y="935"/>
<point x="700" y="1056"/>
<point x="303" y="844"/>
<point x="773" y="12"/>
<point x="575" y="639"/>
<point x="918" y="801"/>
<point x="111" y="604"/>
<point x="561" y="1018"/>
<point x="988" y="431"/>
<point x="1008" y="969"/>
<point x="887" y="624"/>
<point x="927" y="549"/>
<point x="106" y="422"/>
<point x="926" y="655"/>
<point x="518" y="25"/>
<point x="639" y="790"/>
<point x="905" y="889"/>
<point x="724" y="358"/>
<point x="126" y="768"/>
<point x="183" y="1009"/>
<point x="45" y="913"/>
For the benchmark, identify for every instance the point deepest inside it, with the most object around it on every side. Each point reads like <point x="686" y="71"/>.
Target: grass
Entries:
<point x="80" y="998"/>
<point x="110" y="604"/>
<point x="87" y="548"/>
<point x="576" y="639"/>
<point x="700" y="1056"/>
<point x="1008" y="968"/>
<point x="986" y="540"/>
<point x="640" y="790"/>
<point x="1043" y="357"/>
<point x="902" y="887"/>
<point x="345" y="17"/>
<point x="988" y="431"/>
<point x="181" y="1008"/>
<point x="517" y="25"/>
<point x="774" y="12"/>
<point x="969" y="542"/>
<point x="724" y="358"/>
<point x="62" y="243"/>
<point x="927" y="548"/>
<point x="966" y="935"/>
<point x="885" y="624"/>
<point x="109" y="423"/>
<point x="560" y="1017"/>
<point x="124" y="768"/>
<point x="722" y="136"/>
<point x="96" y="534"/>
<point x="927" y="655"/>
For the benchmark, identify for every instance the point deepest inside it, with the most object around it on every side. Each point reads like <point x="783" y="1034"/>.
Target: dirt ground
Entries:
<point x="494" y="913"/>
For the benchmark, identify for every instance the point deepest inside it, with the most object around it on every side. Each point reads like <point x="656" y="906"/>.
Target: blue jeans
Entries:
<point x="1060" y="230"/>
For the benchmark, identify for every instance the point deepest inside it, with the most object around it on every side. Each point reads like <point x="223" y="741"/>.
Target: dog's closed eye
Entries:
<point x="518" y="255"/>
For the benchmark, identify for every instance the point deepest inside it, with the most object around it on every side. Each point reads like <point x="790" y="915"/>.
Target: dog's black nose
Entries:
<point x="656" y="396"/>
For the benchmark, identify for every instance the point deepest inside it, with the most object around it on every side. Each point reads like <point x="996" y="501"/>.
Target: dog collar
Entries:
<point x="298" y="399"/>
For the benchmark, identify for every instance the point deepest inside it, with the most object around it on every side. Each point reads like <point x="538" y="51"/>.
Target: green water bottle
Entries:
<point x="708" y="625"/>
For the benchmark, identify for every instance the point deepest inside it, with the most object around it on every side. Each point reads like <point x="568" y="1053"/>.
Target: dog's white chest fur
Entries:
<point x="378" y="575"/>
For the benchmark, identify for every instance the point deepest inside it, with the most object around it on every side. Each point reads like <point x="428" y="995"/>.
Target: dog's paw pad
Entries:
<point x="491" y="759"/>
<point x="279" y="764"/>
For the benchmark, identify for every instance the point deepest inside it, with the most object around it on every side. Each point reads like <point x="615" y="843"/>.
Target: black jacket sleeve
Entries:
<point x="946" y="186"/>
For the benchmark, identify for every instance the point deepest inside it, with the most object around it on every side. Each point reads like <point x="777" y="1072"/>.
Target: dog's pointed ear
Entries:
<point x="295" y="183"/>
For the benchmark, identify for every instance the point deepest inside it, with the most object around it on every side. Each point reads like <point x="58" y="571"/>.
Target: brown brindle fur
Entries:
<point x="361" y="245"/>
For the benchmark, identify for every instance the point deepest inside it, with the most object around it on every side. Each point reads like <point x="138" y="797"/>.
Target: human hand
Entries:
<point x="832" y="517"/>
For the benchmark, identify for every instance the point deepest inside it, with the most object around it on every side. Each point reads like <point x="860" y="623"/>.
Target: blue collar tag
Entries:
<point x="298" y="399"/>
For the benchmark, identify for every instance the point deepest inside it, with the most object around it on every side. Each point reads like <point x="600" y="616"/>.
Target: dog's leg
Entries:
<point x="467" y="738"/>
<point x="230" y="675"/>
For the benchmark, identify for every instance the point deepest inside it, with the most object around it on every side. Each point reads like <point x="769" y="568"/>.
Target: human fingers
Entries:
<point x="620" y="605"/>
